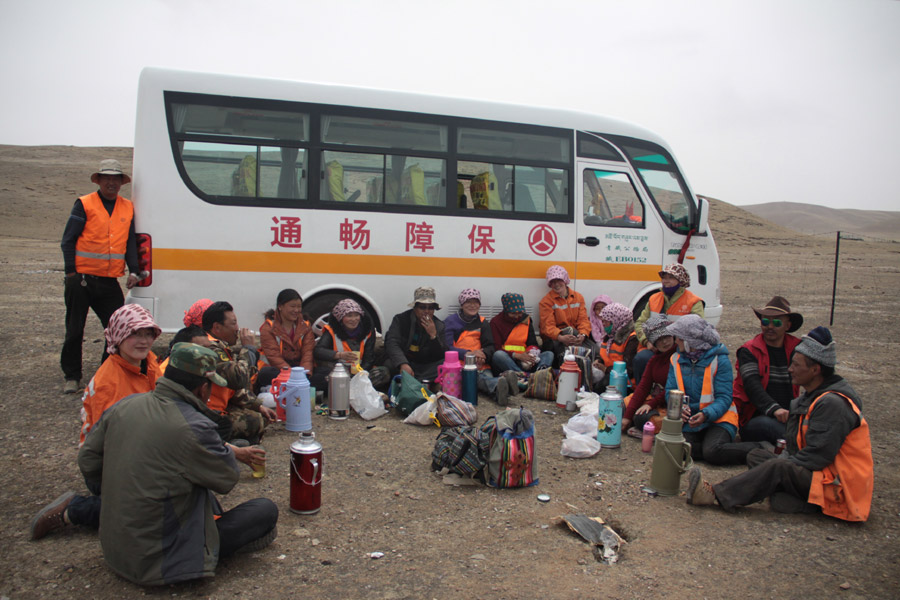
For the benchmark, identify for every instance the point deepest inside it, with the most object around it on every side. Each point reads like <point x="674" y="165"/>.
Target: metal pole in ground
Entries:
<point x="837" y="253"/>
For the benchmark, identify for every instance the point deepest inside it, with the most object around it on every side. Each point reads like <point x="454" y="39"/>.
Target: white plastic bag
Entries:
<point x="580" y="446"/>
<point x="423" y="414"/>
<point x="364" y="398"/>
<point x="581" y="424"/>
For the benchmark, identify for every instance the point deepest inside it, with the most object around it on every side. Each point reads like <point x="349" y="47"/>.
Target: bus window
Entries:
<point x="512" y="144"/>
<point x="383" y="133"/>
<point x="611" y="200"/>
<point x="215" y="168"/>
<point x="382" y="179"/>
<point x="485" y="184"/>
<point x="516" y="188"/>
<point x="666" y="190"/>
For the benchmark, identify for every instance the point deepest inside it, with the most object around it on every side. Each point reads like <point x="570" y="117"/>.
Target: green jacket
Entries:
<point x="156" y="461"/>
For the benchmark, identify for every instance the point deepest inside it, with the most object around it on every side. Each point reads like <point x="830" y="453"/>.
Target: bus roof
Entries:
<point x="159" y="79"/>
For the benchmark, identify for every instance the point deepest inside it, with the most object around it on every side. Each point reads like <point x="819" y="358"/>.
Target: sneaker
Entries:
<point x="259" y="543"/>
<point x="51" y="517"/>
<point x="635" y="433"/>
<point x="512" y="380"/>
<point x="699" y="492"/>
<point x="502" y="391"/>
<point x="73" y="386"/>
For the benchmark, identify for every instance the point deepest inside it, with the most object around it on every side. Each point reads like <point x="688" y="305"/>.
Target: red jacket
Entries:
<point x="745" y="407"/>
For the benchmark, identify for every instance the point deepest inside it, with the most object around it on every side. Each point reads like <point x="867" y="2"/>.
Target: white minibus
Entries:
<point x="244" y="187"/>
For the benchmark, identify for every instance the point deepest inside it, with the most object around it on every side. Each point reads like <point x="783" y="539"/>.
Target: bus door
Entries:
<point x="619" y="250"/>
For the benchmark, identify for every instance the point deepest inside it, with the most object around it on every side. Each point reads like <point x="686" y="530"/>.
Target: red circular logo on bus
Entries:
<point x="542" y="240"/>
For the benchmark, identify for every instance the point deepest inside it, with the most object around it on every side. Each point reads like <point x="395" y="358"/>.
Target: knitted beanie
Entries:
<point x="819" y="346"/>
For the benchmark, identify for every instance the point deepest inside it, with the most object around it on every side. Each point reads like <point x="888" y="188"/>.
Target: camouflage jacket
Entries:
<point x="237" y="365"/>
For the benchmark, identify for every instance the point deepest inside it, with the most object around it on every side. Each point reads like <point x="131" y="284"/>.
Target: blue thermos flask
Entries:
<point x="470" y="381"/>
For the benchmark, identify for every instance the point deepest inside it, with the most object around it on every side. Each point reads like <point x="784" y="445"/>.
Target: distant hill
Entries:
<point x="812" y="219"/>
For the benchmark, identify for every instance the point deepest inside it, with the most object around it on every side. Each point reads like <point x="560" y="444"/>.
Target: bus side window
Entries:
<point x="334" y="181"/>
<point x="610" y="200"/>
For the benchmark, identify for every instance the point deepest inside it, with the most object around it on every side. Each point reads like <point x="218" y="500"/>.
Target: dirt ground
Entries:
<point x="441" y="541"/>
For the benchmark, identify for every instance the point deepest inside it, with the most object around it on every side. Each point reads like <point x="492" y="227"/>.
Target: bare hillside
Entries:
<point x="809" y="218"/>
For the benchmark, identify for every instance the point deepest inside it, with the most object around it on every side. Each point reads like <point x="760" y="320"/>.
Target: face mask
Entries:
<point x="668" y="291"/>
<point x="608" y="329"/>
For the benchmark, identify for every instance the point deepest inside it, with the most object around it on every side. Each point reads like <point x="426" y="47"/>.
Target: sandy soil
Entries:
<point x="440" y="541"/>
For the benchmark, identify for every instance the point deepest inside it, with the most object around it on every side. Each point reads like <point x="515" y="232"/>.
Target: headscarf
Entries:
<point x="345" y="307"/>
<point x="125" y="321"/>
<point x="469" y="294"/>
<point x="678" y="272"/>
<point x="194" y="314"/>
<point x="596" y="326"/>
<point x="619" y="316"/>
<point x="696" y="331"/>
<point x="512" y="302"/>
<point x="557" y="272"/>
<point x="655" y="327"/>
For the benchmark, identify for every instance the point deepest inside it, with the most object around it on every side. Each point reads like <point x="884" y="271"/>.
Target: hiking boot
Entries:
<point x="258" y="543"/>
<point x="73" y="386"/>
<point x="502" y="391"/>
<point x="51" y="517"/>
<point x="512" y="380"/>
<point x="699" y="492"/>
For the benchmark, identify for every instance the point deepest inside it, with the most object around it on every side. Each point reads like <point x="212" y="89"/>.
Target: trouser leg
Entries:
<point x="77" y="305"/>
<point x="640" y="363"/>
<point x="106" y="298"/>
<point x="487" y="383"/>
<point x="718" y="449"/>
<point x="762" y="429"/>
<point x="245" y="523"/>
<point x="501" y="362"/>
<point x="85" y="511"/>
<point x="545" y="360"/>
<point x="642" y="418"/>
<point x="763" y="480"/>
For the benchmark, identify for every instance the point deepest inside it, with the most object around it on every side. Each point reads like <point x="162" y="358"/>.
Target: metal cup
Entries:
<point x="673" y="404"/>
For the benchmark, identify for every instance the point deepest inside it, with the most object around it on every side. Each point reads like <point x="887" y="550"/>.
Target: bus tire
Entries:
<point x="642" y="304"/>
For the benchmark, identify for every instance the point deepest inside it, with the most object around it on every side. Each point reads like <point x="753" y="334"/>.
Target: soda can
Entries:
<point x="780" y="446"/>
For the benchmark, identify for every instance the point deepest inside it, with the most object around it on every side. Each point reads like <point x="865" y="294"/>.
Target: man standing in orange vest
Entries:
<point x="828" y="463"/>
<point x="97" y="243"/>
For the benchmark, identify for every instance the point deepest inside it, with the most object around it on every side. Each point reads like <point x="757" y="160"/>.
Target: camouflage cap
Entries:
<point x="195" y="360"/>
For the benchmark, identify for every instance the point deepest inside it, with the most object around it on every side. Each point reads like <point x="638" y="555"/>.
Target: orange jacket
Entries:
<point x="557" y="312"/>
<point x="281" y="351"/>
<point x="115" y="379"/>
<point x="844" y="488"/>
<point x="100" y="249"/>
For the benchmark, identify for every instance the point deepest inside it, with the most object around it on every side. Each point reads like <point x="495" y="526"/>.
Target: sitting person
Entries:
<point x="650" y="393"/>
<point x="236" y="400"/>
<point x="192" y="334"/>
<point x="467" y="332"/>
<point x="622" y="345"/>
<point x="598" y="333"/>
<point x="284" y="337"/>
<point x="157" y="462"/>
<point x="564" y="321"/>
<point x="828" y="463"/>
<point x="701" y="369"/>
<point x="515" y="344"/>
<point x="348" y="335"/>
<point x="414" y="342"/>
<point x="194" y="314"/>
<point x="131" y="368"/>
<point x="674" y="301"/>
<point x="762" y="388"/>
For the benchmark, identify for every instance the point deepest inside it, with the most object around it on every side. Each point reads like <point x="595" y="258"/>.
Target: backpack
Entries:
<point x="511" y="459"/>
<point x="460" y="450"/>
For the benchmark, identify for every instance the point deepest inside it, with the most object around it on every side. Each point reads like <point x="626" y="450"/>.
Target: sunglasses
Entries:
<point x="775" y="322"/>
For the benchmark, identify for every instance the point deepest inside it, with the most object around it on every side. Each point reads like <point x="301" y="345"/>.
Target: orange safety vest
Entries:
<point x="219" y="396"/>
<point x="100" y="249"/>
<point x="471" y="340"/>
<point x="707" y="395"/>
<point x="844" y="488"/>
<point x="682" y="306"/>
<point x="518" y="337"/>
<point x="344" y="345"/>
<point x="615" y="352"/>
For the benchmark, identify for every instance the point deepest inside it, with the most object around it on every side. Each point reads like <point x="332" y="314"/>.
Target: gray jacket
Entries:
<point x="831" y="421"/>
<point x="156" y="461"/>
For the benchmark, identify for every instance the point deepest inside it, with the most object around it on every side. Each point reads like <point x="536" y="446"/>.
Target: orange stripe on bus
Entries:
<point x="175" y="259"/>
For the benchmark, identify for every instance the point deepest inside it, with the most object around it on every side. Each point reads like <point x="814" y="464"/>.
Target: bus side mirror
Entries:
<point x="702" y="216"/>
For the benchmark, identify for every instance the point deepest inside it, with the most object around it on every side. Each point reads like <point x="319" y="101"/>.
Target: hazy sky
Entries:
<point x="761" y="101"/>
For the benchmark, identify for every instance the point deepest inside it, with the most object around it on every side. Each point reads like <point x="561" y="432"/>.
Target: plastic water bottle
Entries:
<point x="647" y="439"/>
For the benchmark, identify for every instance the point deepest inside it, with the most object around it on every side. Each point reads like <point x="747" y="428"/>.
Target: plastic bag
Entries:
<point x="423" y="414"/>
<point x="580" y="446"/>
<point x="581" y="424"/>
<point x="364" y="398"/>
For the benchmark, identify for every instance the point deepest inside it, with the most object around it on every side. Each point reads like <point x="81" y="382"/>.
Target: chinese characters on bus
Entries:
<point x="626" y="248"/>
